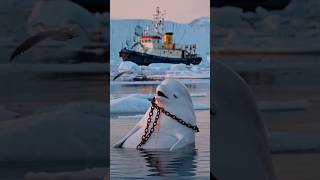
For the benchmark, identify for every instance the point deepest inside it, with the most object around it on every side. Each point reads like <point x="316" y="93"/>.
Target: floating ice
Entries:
<point x="71" y="132"/>
<point x="128" y="66"/>
<point x="291" y="30"/>
<point x="139" y="103"/>
<point x="131" y="117"/>
<point x="130" y="104"/>
<point x="160" y="71"/>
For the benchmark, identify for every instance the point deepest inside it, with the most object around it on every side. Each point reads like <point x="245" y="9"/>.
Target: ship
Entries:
<point x="155" y="45"/>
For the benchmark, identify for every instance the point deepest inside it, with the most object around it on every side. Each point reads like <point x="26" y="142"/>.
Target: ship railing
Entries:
<point x="185" y="46"/>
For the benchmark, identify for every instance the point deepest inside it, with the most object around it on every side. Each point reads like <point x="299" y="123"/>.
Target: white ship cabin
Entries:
<point x="153" y="45"/>
<point x="150" y="42"/>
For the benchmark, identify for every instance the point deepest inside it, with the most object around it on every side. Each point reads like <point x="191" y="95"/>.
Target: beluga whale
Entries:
<point x="168" y="124"/>
<point x="240" y="144"/>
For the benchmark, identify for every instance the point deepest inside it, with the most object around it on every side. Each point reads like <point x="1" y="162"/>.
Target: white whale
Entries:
<point x="169" y="134"/>
<point x="239" y="144"/>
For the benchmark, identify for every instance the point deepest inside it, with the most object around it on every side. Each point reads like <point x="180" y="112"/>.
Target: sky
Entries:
<point x="183" y="11"/>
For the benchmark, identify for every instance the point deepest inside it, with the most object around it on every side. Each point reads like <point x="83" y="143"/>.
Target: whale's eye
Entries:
<point x="175" y="96"/>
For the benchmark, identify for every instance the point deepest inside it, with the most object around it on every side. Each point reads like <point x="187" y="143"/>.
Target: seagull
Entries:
<point x="65" y="33"/>
<point x="122" y="73"/>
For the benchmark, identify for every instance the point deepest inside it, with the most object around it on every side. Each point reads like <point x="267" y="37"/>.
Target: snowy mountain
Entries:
<point x="201" y="22"/>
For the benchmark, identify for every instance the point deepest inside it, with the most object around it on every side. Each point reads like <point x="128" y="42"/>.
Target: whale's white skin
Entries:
<point x="239" y="144"/>
<point x="168" y="134"/>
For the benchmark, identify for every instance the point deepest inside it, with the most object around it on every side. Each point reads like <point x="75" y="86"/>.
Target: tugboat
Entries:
<point x="156" y="46"/>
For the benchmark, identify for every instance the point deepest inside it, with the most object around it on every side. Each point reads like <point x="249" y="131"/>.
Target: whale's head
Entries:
<point x="171" y="94"/>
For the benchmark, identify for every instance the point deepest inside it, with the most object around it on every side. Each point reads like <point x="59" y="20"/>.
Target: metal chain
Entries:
<point x="145" y="137"/>
<point x="179" y="120"/>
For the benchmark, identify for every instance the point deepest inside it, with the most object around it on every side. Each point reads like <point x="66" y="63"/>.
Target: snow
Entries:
<point x="203" y="21"/>
<point x="161" y="71"/>
<point x="139" y="116"/>
<point x="294" y="29"/>
<point x="155" y="82"/>
<point x="128" y="66"/>
<point x="129" y="104"/>
<point x="139" y="103"/>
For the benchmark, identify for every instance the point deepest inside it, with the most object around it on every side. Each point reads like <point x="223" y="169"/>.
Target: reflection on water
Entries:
<point x="285" y="70"/>
<point x="192" y="162"/>
<point x="157" y="163"/>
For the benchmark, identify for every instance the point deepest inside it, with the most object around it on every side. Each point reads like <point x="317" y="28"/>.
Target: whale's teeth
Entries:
<point x="160" y="93"/>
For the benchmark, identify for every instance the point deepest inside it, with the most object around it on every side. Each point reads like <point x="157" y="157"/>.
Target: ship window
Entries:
<point x="149" y="40"/>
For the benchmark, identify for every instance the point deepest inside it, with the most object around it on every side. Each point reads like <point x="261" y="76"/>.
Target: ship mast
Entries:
<point x="158" y="21"/>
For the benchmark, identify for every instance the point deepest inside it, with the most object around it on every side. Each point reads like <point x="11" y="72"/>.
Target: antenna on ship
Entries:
<point x="158" y="21"/>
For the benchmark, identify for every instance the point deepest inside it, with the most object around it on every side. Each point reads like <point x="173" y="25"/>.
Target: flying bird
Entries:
<point x="62" y="34"/>
<point x="122" y="73"/>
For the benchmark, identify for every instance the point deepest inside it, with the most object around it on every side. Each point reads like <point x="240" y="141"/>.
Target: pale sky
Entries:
<point x="183" y="11"/>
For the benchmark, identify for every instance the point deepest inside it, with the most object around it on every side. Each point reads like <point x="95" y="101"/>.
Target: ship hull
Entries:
<point x="146" y="59"/>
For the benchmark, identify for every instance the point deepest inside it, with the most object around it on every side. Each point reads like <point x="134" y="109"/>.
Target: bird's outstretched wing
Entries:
<point x="31" y="41"/>
<point x="122" y="73"/>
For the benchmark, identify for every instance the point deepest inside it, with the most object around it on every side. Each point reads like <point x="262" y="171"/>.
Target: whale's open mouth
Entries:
<point x="160" y="93"/>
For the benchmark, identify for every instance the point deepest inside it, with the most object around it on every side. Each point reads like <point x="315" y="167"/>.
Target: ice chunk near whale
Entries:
<point x="70" y="133"/>
<point x="129" y="104"/>
<point x="138" y="103"/>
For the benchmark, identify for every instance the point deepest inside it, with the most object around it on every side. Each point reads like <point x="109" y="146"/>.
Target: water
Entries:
<point x="286" y="78"/>
<point x="30" y="90"/>
<point x="182" y="164"/>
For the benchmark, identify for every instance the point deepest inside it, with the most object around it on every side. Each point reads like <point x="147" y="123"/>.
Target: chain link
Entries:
<point x="145" y="137"/>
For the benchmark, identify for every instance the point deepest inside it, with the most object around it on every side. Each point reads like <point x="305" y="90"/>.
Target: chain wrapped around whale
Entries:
<point x="145" y="137"/>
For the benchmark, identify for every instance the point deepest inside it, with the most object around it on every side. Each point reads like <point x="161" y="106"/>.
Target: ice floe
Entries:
<point x="75" y="131"/>
<point x="139" y="103"/>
